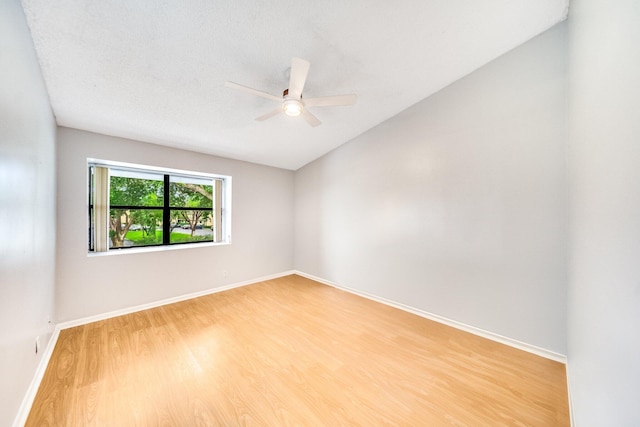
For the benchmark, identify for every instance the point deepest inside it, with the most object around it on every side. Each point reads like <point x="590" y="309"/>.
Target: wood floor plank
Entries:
<point x="289" y="352"/>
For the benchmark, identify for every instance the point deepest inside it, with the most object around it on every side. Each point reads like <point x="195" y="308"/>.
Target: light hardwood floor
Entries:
<point x="286" y="352"/>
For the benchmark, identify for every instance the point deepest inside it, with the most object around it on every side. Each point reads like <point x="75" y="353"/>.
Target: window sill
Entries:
<point x="154" y="249"/>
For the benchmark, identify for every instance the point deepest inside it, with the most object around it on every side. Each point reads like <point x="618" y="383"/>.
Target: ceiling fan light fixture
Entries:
<point x="292" y="107"/>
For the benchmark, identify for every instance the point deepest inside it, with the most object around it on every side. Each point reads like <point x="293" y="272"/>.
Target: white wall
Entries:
<point x="262" y="231"/>
<point x="604" y="267"/>
<point x="27" y="210"/>
<point x="456" y="206"/>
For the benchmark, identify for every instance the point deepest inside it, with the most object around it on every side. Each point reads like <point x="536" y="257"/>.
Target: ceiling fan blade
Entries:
<point x="269" y="114"/>
<point x="329" y="101"/>
<point x="253" y="91"/>
<point x="299" y="71"/>
<point x="310" y="118"/>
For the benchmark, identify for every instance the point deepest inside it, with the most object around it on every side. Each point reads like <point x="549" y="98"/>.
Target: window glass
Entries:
<point x="135" y="227"/>
<point x="194" y="221"/>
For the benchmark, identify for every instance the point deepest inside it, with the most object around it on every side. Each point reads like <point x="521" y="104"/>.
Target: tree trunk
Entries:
<point x="118" y="233"/>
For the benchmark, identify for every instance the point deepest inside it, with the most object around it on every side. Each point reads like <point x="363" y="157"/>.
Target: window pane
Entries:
<point x="191" y="226"/>
<point x="131" y="191"/>
<point x="191" y="192"/>
<point x="130" y="205"/>
<point x="135" y="227"/>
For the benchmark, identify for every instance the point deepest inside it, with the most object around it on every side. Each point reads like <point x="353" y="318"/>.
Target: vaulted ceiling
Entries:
<point x="155" y="71"/>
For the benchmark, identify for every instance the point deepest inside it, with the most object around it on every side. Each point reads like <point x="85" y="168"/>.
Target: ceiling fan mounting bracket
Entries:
<point x="285" y="93"/>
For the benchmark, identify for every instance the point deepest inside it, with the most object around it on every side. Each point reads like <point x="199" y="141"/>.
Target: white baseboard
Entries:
<point x="27" y="401"/>
<point x="453" y="323"/>
<point x="571" y="419"/>
<point x="128" y="310"/>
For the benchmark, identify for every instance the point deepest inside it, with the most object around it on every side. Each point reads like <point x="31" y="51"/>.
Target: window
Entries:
<point x="133" y="206"/>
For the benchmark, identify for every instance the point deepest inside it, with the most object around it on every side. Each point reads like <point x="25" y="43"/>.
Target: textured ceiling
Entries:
<point x="154" y="71"/>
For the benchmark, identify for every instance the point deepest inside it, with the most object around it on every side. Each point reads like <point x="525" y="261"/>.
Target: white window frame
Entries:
<point x="224" y="209"/>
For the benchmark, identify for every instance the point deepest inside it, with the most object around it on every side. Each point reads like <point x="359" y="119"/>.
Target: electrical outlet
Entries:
<point x="37" y="344"/>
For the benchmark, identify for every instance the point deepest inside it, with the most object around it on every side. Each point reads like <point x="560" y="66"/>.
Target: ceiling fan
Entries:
<point x="291" y="102"/>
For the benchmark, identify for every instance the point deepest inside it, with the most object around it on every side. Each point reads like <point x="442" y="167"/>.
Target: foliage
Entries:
<point x="140" y="238"/>
<point x="126" y="191"/>
<point x="191" y="196"/>
<point x="133" y="192"/>
<point x="182" y="238"/>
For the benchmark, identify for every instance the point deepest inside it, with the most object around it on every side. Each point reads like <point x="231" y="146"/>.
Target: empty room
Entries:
<point x="418" y="213"/>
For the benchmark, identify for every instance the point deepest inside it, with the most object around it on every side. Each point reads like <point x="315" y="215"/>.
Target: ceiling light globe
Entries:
<point x="292" y="107"/>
